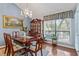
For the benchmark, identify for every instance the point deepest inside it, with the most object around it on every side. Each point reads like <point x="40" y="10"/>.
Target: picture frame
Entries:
<point x="12" y="22"/>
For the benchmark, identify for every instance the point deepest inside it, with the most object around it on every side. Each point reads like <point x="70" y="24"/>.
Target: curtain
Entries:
<point x="62" y="15"/>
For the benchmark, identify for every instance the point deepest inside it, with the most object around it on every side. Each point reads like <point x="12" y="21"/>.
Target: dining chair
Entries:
<point x="6" y="45"/>
<point x="16" y="34"/>
<point x="11" y="49"/>
<point x="28" y="50"/>
<point x="32" y="32"/>
<point x="37" y="46"/>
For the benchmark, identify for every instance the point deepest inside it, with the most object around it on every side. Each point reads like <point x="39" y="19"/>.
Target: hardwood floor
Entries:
<point x="2" y="52"/>
<point x="52" y="51"/>
<point x="61" y="51"/>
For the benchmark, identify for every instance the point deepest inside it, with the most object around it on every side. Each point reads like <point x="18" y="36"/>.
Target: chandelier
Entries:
<point x="26" y="12"/>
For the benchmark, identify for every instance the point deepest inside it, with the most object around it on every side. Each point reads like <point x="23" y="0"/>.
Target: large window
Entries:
<point x="49" y="29"/>
<point x="60" y="27"/>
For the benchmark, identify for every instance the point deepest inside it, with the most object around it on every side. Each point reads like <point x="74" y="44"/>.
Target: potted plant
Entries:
<point x="54" y="39"/>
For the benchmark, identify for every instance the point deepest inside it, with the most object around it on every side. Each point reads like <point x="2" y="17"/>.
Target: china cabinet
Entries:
<point x="36" y="26"/>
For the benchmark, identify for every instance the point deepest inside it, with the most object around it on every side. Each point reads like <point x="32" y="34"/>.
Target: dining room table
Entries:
<point x="24" y="41"/>
<point x="27" y="41"/>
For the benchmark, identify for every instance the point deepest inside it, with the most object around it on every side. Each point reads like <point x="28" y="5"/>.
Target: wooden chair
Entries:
<point x="28" y="44"/>
<point x="31" y="33"/>
<point x="15" y="34"/>
<point x="6" y="45"/>
<point x="11" y="50"/>
<point x="38" y="46"/>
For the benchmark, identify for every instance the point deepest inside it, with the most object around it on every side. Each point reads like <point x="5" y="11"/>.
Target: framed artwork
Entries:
<point x="12" y="22"/>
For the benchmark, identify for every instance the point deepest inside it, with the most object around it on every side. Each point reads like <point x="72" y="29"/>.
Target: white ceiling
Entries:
<point x="41" y="9"/>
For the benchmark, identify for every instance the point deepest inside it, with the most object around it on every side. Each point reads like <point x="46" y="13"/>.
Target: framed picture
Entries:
<point x="12" y="22"/>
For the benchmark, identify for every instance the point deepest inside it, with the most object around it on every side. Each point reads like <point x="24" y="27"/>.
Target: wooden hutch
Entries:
<point x="36" y="26"/>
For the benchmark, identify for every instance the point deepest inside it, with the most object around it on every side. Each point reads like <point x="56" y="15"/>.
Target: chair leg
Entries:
<point x="8" y="52"/>
<point x="13" y="54"/>
<point x="26" y="53"/>
<point x="31" y="53"/>
<point x="35" y="53"/>
<point x="5" y="50"/>
<point x="41" y="53"/>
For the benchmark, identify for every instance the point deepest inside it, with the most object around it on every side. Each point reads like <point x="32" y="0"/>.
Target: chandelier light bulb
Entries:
<point x="22" y="13"/>
<point x="26" y="12"/>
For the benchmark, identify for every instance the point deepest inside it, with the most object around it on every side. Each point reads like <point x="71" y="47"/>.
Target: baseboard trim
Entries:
<point x="2" y="46"/>
<point x="60" y="44"/>
<point x="66" y="46"/>
<point x="77" y="53"/>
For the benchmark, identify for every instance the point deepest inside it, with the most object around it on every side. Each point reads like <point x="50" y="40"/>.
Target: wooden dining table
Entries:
<point x="27" y="42"/>
<point x="24" y="41"/>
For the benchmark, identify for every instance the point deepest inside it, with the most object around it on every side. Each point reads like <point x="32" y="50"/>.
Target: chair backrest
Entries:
<point x="31" y="33"/>
<point x="38" y="44"/>
<point x="9" y="42"/>
<point x="15" y="34"/>
<point x="5" y="38"/>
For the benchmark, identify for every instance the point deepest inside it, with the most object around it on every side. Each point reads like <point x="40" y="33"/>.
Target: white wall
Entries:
<point x="77" y="28"/>
<point x="10" y="10"/>
<point x="26" y="23"/>
<point x="72" y="31"/>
